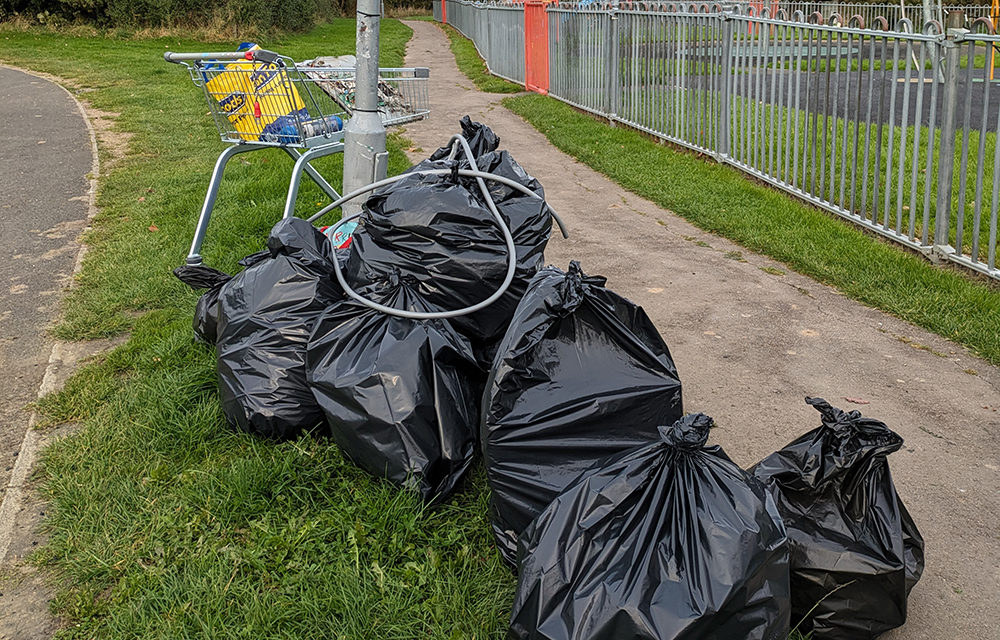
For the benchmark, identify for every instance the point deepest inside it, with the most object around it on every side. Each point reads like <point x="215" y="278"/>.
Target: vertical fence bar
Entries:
<point x="977" y="213"/>
<point x="797" y="109"/>
<point x="746" y="95"/>
<point x="991" y="246"/>
<point x="876" y="174"/>
<point x="908" y="76"/>
<point x="929" y="182"/>
<point x="774" y="110"/>
<point x="946" y="152"/>
<point x="846" y="125"/>
<point x="917" y="126"/>
<point x="726" y="29"/>
<point x="963" y="173"/>
<point x="824" y="112"/>
<point x="857" y="129"/>
<point x="616" y="75"/>
<point x="784" y="89"/>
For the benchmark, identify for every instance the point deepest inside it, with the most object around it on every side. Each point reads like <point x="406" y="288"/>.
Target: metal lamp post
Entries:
<point x="365" y="157"/>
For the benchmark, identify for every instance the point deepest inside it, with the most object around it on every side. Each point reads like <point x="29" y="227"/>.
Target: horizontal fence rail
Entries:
<point x="892" y="13"/>
<point x="891" y="127"/>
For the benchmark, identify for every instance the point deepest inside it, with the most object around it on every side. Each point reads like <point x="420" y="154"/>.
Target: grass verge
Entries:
<point x="474" y="67"/>
<point x="719" y="199"/>
<point x="164" y="524"/>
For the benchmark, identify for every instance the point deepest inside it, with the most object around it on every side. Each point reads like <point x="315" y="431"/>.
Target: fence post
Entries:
<point x="536" y="46"/>
<point x="946" y="148"/>
<point x="727" y="68"/>
<point x="613" y="76"/>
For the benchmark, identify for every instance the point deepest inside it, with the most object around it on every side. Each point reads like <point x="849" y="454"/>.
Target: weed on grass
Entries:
<point x="719" y="199"/>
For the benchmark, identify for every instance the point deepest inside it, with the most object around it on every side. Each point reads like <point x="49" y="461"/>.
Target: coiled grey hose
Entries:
<point x="508" y="238"/>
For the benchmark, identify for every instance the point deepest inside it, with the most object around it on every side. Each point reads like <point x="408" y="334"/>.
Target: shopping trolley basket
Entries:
<point x="262" y="100"/>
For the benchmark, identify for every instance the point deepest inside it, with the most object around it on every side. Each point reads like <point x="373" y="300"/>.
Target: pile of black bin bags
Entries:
<point x="619" y="518"/>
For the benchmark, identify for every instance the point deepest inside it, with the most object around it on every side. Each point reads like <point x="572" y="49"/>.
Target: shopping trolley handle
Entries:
<point x="257" y="55"/>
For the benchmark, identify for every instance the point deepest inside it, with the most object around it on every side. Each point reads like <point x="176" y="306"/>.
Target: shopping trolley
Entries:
<point x="262" y="100"/>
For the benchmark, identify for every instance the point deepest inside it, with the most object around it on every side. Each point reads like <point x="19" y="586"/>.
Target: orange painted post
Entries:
<point x="536" y="46"/>
<point x="444" y="11"/>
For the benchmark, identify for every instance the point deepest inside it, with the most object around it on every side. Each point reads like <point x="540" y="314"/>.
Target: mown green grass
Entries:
<point x="164" y="524"/>
<point x="474" y="67"/>
<point x="719" y="199"/>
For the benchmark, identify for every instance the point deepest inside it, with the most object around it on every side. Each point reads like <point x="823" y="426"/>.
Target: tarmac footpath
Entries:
<point x="49" y="157"/>
<point x="750" y="345"/>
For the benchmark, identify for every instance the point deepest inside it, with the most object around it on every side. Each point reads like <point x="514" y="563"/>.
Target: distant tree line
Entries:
<point x="247" y="16"/>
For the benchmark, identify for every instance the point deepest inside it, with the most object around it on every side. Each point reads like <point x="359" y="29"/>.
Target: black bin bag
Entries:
<point x="581" y="374"/>
<point x="481" y="139"/>
<point x="206" y="312"/>
<point x="667" y="541"/>
<point x="266" y="314"/>
<point x="400" y="395"/>
<point x="855" y="551"/>
<point x="530" y="223"/>
<point x="440" y="231"/>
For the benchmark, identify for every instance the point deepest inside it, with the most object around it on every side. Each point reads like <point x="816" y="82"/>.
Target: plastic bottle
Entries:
<point x="322" y="126"/>
<point x="289" y="133"/>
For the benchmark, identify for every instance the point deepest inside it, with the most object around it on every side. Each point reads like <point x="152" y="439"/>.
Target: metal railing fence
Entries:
<point x="969" y="195"/>
<point x="893" y="130"/>
<point x="497" y="30"/>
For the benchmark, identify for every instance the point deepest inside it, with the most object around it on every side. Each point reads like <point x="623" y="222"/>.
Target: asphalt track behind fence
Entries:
<point x="838" y="94"/>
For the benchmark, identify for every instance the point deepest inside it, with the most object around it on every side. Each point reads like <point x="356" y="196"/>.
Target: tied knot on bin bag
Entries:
<point x="689" y="434"/>
<point x="467" y="240"/>
<point x="573" y="289"/>
<point x="206" y="321"/>
<point x="581" y="374"/>
<point x="481" y="139"/>
<point x="847" y="449"/>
